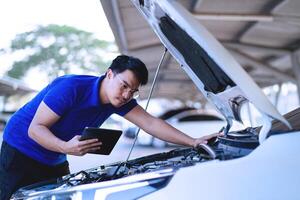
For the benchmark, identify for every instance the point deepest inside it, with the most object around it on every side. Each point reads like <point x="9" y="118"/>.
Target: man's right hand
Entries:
<point x="79" y="148"/>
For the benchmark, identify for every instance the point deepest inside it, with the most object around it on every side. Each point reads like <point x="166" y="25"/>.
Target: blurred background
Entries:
<point x="41" y="40"/>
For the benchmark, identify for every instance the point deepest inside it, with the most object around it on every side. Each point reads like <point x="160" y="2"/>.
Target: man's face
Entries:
<point x="122" y="87"/>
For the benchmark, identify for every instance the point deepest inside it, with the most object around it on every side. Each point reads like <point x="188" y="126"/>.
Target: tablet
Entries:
<point x="108" y="137"/>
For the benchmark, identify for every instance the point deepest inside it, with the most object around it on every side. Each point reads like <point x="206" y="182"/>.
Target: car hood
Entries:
<point x="215" y="72"/>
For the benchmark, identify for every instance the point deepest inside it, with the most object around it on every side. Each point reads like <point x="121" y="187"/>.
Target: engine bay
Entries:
<point x="230" y="146"/>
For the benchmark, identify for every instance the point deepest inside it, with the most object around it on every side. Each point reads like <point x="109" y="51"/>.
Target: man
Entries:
<point x="40" y="134"/>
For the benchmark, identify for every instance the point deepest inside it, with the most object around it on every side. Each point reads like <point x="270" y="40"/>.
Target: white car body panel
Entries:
<point x="271" y="171"/>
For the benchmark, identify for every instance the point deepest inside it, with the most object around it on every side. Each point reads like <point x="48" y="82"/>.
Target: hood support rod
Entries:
<point x="147" y="104"/>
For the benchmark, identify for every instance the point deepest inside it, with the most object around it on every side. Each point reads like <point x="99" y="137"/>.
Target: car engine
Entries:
<point x="230" y="146"/>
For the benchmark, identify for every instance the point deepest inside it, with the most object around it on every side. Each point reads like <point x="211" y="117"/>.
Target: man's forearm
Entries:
<point x="43" y="136"/>
<point x="164" y="131"/>
<point x="157" y="127"/>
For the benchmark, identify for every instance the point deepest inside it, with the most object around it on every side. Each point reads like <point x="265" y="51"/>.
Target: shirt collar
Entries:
<point x="95" y="97"/>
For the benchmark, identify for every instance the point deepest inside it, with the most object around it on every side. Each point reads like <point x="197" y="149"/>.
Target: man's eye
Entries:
<point x="124" y="86"/>
<point x="132" y="92"/>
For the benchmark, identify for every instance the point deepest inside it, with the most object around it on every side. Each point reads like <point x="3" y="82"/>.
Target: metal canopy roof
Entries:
<point x="10" y="86"/>
<point x="263" y="35"/>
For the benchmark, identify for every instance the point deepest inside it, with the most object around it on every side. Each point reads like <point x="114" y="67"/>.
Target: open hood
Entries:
<point x="211" y="67"/>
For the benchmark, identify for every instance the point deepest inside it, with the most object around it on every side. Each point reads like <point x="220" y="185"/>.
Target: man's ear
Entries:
<point x="109" y="74"/>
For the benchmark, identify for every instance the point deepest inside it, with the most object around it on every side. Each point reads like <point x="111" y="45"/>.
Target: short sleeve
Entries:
<point x="60" y="98"/>
<point x="123" y="110"/>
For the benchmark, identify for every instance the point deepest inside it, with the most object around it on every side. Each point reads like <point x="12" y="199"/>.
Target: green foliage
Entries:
<point x="56" y="50"/>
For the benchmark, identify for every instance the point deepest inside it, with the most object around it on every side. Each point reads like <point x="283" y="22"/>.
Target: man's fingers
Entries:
<point x="91" y="141"/>
<point x="94" y="149"/>
<point x="90" y="149"/>
<point x="207" y="137"/>
<point x="94" y="146"/>
<point x="87" y="147"/>
<point x="87" y="150"/>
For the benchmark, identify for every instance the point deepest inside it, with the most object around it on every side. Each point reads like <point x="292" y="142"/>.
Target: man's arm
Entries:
<point x="162" y="130"/>
<point x="39" y="132"/>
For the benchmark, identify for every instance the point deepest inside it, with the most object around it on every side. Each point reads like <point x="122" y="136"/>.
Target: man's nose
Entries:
<point x="126" y="95"/>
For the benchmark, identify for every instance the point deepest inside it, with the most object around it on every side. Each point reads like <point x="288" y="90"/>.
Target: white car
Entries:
<point x="254" y="163"/>
<point x="130" y="130"/>
<point x="194" y="122"/>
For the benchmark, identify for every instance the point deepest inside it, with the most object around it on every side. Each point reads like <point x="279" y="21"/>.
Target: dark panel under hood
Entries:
<point x="213" y="78"/>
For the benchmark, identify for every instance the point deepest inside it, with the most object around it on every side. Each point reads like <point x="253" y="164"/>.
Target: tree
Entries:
<point x="56" y="50"/>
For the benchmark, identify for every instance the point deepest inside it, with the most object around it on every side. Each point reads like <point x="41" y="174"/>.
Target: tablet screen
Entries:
<point x="108" y="137"/>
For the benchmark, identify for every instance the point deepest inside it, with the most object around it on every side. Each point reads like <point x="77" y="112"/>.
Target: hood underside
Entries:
<point x="211" y="67"/>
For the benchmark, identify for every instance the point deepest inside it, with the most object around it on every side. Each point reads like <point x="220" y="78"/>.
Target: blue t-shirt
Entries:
<point x="75" y="98"/>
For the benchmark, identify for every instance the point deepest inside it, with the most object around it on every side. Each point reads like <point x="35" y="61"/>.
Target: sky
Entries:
<point x="17" y="16"/>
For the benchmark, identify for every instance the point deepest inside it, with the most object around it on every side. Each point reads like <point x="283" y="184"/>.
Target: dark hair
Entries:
<point x="123" y="62"/>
